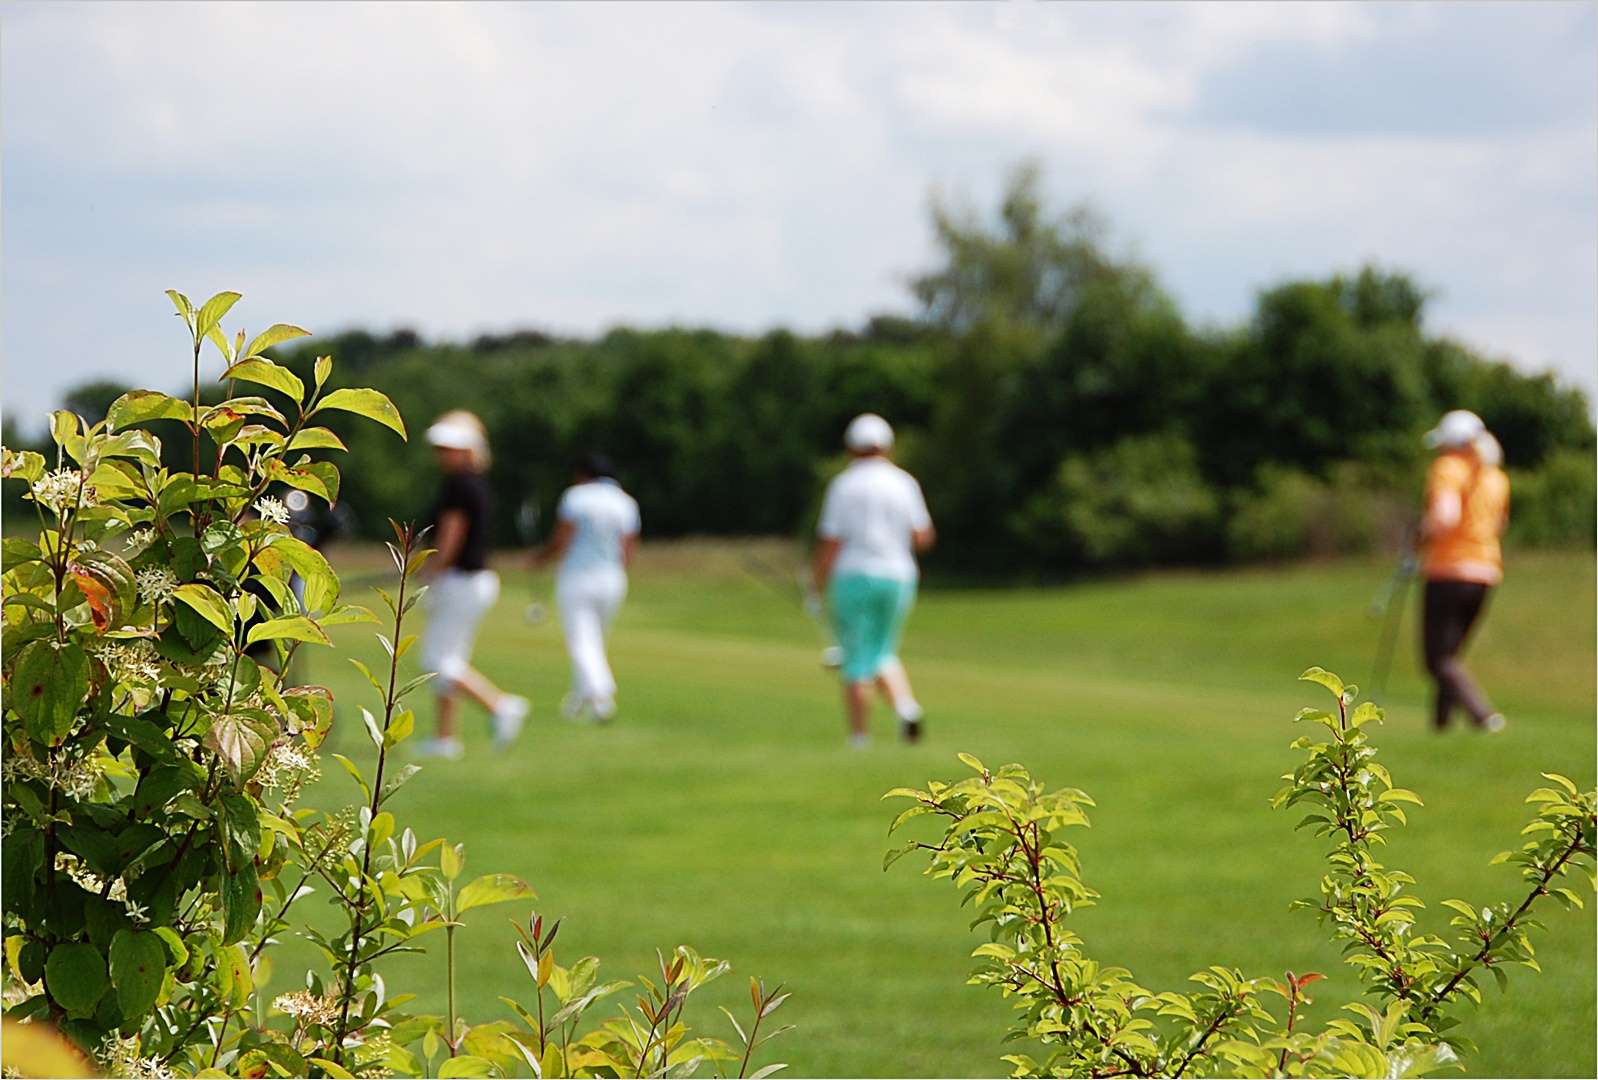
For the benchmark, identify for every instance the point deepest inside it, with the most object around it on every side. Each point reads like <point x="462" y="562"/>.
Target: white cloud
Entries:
<point x="464" y="167"/>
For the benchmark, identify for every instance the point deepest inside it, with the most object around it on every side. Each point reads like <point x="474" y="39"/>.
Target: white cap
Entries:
<point x="1488" y="450"/>
<point x="1456" y="429"/>
<point x="868" y="431"/>
<point x="453" y="434"/>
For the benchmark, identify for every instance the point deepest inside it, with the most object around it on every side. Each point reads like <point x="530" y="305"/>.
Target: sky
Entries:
<point x="471" y="168"/>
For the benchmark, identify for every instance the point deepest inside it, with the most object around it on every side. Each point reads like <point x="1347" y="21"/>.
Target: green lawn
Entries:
<point x="723" y="809"/>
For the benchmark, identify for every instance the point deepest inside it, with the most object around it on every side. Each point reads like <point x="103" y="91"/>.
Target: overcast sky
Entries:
<point x="478" y="167"/>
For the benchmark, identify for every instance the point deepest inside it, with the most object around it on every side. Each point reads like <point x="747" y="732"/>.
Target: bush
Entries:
<point x="1290" y="514"/>
<point x="1002" y="843"/>
<point x="1140" y="501"/>
<point x="1554" y="504"/>
<point x="153" y="849"/>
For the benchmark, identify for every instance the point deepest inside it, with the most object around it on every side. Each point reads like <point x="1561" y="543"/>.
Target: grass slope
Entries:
<point x="724" y="810"/>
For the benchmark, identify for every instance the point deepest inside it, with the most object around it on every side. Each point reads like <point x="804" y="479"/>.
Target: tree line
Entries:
<point x="1059" y="410"/>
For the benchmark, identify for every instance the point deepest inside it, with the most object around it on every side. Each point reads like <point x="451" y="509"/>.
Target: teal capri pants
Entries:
<point x="868" y="614"/>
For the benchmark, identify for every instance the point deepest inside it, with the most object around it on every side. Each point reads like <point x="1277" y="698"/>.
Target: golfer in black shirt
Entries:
<point x="462" y="587"/>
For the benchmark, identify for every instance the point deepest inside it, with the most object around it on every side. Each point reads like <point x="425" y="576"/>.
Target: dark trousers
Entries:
<point x="1452" y="608"/>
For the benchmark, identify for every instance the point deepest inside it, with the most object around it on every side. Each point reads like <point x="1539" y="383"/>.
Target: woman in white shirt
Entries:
<point x="595" y="541"/>
<point x="873" y="521"/>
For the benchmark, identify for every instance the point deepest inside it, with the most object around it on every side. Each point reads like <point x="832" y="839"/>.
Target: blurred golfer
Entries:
<point x="462" y="588"/>
<point x="595" y="538"/>
<point x="873" y="521"/>
<point x="1467" y="506"/>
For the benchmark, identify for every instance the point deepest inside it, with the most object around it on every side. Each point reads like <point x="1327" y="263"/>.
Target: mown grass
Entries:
<point x="724" y="810"/>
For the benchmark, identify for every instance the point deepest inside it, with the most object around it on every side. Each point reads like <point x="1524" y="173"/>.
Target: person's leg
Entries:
<point x="857" y="706"/>
<point x="477" y="686"/>
<point x="892" y="679"/>
<point x="849" y="604"/>
<point x="440" y="654"/>
<point x="1469" y="600"/>
<point x="449" y="707"/>
<point x="1436" y="633"/>
<point x="607" y="601"/>
<point x="458" y="614"/>
<point x="581" y="621"/>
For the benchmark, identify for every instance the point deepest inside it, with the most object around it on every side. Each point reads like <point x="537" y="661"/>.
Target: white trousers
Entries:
<point x="587" y="604"/>
<point x="455" y="604"/>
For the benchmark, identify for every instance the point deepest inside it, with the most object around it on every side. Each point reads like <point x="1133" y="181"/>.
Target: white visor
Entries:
<point x="1456" y="429"/>
<point x="453" y="435"/>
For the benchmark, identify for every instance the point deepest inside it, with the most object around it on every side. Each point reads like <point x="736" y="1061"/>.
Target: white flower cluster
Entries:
<point x="138" y="542"/>
<point x="132" y="661"/>
<point x="272" y="509"/>
<point x="288" y="768"/>
<point x="155" y="584"/>
<point x="121" y="1057"/>
<point x="308" y="1009"/>
<point x="61" y="489"/>
<point x="72" y="772"/>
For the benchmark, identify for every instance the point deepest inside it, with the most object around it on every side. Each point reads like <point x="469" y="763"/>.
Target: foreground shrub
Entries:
<point x="154" y="849"/>
<point x="1002" y="845"/>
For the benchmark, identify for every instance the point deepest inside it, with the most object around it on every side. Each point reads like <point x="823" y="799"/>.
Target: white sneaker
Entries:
<point x="604" y="710"/>
<point x="509" y="716"/>
<point x="449" y="749"/>
<point x="1494" y="723"/>
<point x="860" y="741"/>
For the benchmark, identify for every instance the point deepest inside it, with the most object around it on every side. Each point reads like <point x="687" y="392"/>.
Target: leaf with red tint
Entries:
<point x="96" y="592"/>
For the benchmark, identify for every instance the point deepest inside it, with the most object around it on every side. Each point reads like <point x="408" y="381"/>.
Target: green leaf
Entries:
<point x="295" y="627"/>
<point x="316" y="438"/>
<point x="1325" y="678"/>
<point x="241" y="902"/>
<point x="47" y="688"/>
<point x="492" y="889"/>
<point x="240" y="741"/>
<point x="138" y="964"/>
<point x="332" y="1068"/>
<point x="22" y="465"/>
<point x="142" y="406"/>
<point x="324" y="368"/>
<point x="177" y="952"/>
<point x="219" y="339"/>
<point x="321" y="583"/>
<point x="1563" y="781"/>
<point x="264" y="372"/>
<point x="1399" y="794"/>
<point x="399" y="728"/>
<point x="451" y="861"/>
<point x="212" y="310"/>
<point x="75" y="975"/>
<point x="466" y="1065"/>
<point x="372" y="404"/>
<point x="183" y="304"/>
<point x="273" y="335"/>
<point x="207" y="603"/>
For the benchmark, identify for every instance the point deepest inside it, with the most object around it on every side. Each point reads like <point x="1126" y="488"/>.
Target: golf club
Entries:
<point x="766" y="574"/>
<point x="1388" y="605"/>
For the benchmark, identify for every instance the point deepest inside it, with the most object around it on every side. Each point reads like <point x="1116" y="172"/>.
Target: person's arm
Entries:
<point x="448" y="539"/>
<point x="821" y="566"/>
<point x="1444" y="504"/>
<point x="556" y="545"/>
<point x="629" y="550"/>
<point x="922" y="535"/>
